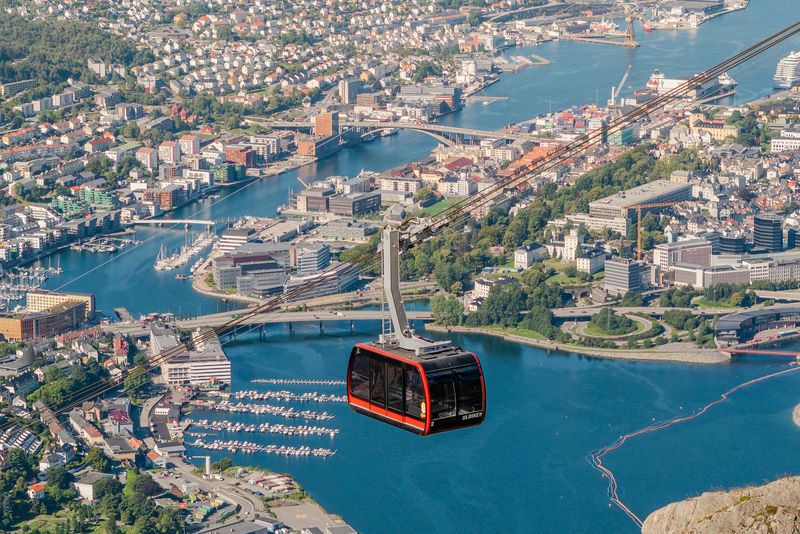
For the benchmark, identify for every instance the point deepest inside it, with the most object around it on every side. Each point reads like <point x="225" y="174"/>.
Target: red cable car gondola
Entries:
<point x="411" y="382"/>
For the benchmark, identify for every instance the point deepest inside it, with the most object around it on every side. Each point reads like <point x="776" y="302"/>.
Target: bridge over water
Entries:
<point x="448" y="135"/>
<point x="219" y="319"/>
<point x="168" y="222"/>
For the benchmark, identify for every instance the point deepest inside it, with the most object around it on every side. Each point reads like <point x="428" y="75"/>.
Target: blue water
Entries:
<point x="524" y="469"/>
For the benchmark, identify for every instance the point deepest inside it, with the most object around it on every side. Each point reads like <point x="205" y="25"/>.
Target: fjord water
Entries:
<point x="524" y="469"/>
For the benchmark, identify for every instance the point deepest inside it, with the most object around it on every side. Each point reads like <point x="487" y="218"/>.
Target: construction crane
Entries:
<point x="639" y="208"/>
<point x="630" y="36"/>
<point x="616" y="90"/>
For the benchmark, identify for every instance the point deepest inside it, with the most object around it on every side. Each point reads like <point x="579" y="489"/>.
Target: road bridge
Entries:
<point x="162" y="222"/>
<point x="762" y="352"/>
<point x="322" y="316"/>
<point x="215" y="320"/>
<point x="584" y="312"/>
<point x="448" y="135"/>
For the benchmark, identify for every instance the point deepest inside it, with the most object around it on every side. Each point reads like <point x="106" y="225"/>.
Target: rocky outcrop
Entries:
<point x="773" y="508"/>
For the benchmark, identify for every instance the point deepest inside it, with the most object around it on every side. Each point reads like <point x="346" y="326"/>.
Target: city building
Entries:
<point x="740" y="327"/>
<point x="624" y="274"/>
<point x="170" y="152"/>
<point x="205" y="363"/>
<point x="41" y="300"/>
<point x="355" y="204"/>
<point x="148" y="157"/>
<point x="51" y="321"/>
<point x="768" y="232"/>
<point x="622" y="205"/>
<point x="348" y="90"/>
<point x="526" y="255"/>
<point x="233" y="238"/>
<point x="190" y="144"/>
<point x="789" y="139"/>
<point x="312" y="260"/>
<point x="316" y="146"/>
<point x="703" y="277"/>
<point x="572" y="245"/>
<point x="591" y="262"/>
<point x="408" y="184"/>
<point x="342" y="230"/>
<point x="86" y="484"/>
<point x="240" y="155"/>
<point x="326" y="124"/>
<point x="731" y="244"/>
<point x="483" y="286"/>
<point x="693" y="251"/>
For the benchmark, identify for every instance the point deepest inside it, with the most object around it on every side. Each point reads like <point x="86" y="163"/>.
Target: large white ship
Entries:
<point x="716" y="89"/>
<point x="787" y="75"/>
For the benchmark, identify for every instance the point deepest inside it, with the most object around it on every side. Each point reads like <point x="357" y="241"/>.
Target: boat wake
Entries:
<point x="595" y="458"/>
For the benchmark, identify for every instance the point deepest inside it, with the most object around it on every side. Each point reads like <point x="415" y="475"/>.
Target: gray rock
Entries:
<point x="770" y="509"/>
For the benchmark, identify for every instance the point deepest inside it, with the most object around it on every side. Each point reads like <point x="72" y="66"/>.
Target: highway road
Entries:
<point x="218" y="319"/>
<point x="249" y="503"/>
<point x="585" y="312"/>
<point x="277" y="317"/>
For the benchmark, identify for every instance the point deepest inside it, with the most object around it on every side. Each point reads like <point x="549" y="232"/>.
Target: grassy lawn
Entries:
<point x="436" y="209"/>
<point x="557" y="265"/>
<point x="705" y="303"/>
<point x="563" y="279"/>
<point x="41" y="523"/>
<point x="595" y="331"/>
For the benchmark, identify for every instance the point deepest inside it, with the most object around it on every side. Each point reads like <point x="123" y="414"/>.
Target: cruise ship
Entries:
<point x="787" y="75"/>
<point x="718" y="88"/>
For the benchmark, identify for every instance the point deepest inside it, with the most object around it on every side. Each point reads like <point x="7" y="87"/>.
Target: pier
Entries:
<point x="485" y="100"/>
<point x="598" y="40"/>
<point x="123" y="314"/>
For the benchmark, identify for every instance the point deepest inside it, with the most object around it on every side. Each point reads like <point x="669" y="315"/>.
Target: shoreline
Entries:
<point x="699" y="356"/>
<point x="796" y="415"/>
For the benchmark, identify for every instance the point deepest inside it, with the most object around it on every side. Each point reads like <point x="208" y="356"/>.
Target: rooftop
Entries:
<point x="640" y="195"/>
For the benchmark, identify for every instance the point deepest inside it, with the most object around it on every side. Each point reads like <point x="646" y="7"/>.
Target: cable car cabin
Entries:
<point x="422" y="393"/>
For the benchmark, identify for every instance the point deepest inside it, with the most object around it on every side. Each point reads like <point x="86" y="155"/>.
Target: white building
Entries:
<point x="592" y="262"/>
<point x="788" y="140"/>
<point x="572" y="243"/>
<point x="525" y="256"/>
<point x="205" y="363"/>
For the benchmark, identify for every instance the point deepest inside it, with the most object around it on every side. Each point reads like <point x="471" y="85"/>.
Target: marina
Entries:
<point x="179" y="258"/>
<point x="16" y="282"/>
<point x="249" y="447"/>
<point x="264" y="409"/>
<point x="298" y="382"/>
<point x="107" y="245"/>
<point x="288" y="396"/>
<point x="262" y="428"/>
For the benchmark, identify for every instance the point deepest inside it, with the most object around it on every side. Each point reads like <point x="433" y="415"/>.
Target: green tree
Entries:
<point x="447" y="311"/>
<point x="98" y="460"/>
<point x="632" y="299"/>
<point x="610" y="323"/>
<point x="221" y="465"/>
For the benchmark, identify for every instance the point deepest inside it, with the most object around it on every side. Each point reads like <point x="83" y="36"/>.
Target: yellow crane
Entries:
<point x="639" y="208"/>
